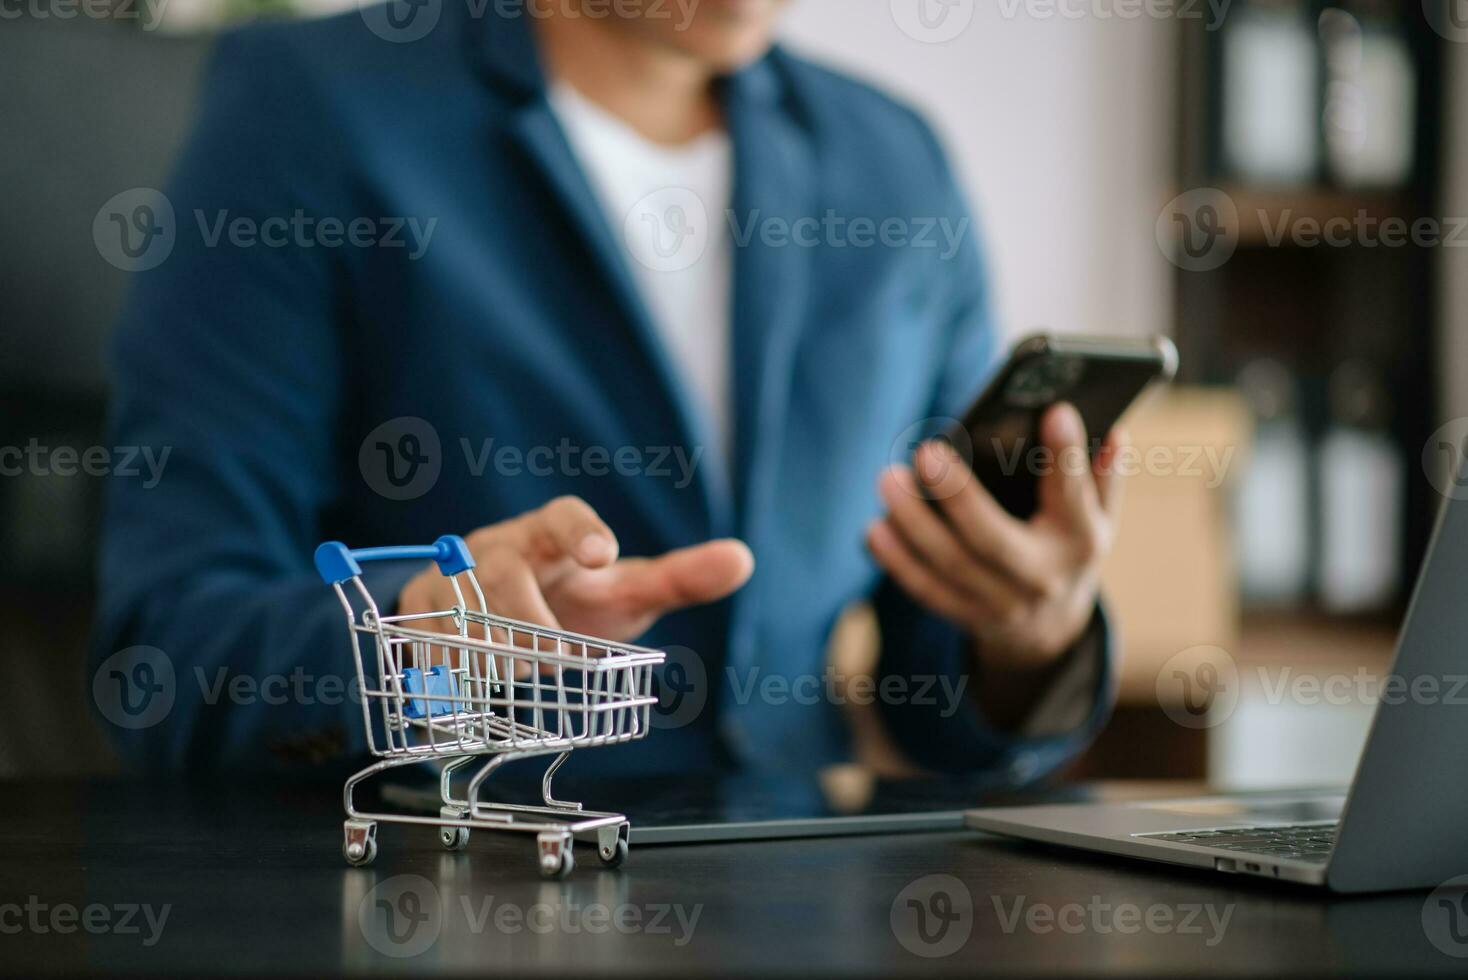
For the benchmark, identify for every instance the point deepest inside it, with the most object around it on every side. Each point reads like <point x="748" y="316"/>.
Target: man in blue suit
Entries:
<point x="643" y="306"/>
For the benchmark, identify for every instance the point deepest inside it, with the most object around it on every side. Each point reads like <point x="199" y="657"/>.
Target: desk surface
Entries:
<point x="251" y="880"/>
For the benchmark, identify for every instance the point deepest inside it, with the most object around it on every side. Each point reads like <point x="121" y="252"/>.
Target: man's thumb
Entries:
<point x="691" y="576"/>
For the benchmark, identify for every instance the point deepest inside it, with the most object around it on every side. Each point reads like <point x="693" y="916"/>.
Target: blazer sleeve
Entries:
<point x="230" y="358"/>
<point x="918" y="646"/>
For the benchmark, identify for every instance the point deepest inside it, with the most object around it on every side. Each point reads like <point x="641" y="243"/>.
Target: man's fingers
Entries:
<point x="1109" y="483"/>
<point x="989" y="531"/>
<point x="936" y="543"/>
<point x="567" y="527"/>
<point x="511" y="589"/>
<point x="944" y="473"/>
<point x="920" y="582"/>
<point x="683" y="577"/>
<point x="1068" y="490"/>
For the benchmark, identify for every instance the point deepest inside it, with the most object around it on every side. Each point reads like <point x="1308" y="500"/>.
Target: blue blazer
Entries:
<point x="283" y="375"/>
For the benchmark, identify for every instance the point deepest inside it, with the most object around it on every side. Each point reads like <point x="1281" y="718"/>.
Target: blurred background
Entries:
<point x="1273" y="183"/>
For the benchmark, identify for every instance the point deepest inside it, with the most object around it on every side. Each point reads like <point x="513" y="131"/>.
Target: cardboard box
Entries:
<point x="1170" y="579"/>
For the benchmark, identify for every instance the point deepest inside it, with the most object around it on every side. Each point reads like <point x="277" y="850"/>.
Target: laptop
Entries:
<point x="1402" y="823"/>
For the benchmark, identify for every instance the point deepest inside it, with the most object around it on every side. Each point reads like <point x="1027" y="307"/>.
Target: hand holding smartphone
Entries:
<point x="1101" y="376"/>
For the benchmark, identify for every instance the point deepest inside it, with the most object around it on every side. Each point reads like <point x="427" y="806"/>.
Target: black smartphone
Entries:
<point x="1100" y="376"/>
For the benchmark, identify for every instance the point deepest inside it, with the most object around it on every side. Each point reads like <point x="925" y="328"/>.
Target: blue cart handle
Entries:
<point x="336" y="563"/>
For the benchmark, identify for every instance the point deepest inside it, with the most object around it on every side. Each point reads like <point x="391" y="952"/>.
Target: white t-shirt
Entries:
<point x="665" y="204"/>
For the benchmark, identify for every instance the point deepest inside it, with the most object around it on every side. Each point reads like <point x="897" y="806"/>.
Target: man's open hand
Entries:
<point x="557" y="566"/>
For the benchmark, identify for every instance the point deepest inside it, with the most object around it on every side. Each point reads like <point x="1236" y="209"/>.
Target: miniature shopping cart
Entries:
<point x="459" y="685"/>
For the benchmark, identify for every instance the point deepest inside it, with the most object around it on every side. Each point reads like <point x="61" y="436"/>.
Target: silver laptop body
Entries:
<point x="1402" y="824"/>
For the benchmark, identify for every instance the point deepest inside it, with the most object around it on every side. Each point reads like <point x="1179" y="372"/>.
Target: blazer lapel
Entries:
<point x="509" y="56"/>
<point x="775" y="175"/>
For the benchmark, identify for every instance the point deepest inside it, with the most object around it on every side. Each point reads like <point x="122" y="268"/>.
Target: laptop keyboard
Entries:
<point x="1304" y="842"/>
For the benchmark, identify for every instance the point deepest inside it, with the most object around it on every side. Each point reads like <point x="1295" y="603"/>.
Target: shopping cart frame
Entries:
<point x="476" y="713"/>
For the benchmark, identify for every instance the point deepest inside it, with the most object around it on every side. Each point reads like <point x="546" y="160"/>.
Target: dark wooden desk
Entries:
<point x="252" y="882"/>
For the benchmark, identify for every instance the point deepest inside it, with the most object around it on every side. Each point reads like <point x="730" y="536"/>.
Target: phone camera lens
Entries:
<point x="1032" y="386"/>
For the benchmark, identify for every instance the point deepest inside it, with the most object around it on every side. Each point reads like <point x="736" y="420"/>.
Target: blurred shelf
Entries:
<point x="1266" y="214"/>
<point x="1317" y="642"/>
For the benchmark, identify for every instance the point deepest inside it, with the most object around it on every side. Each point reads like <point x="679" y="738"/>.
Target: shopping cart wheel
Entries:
<point x="361" y="858"/>
<point x="611" y="845"/>
<point x="555" y="855"/>
<point x="360" y="844"/>
<point x="617" y="856"/>
<point x="451" y="837"/>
